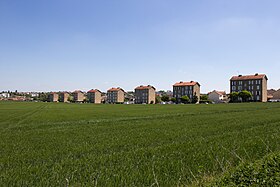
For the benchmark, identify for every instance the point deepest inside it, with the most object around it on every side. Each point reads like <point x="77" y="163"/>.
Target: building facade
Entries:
<point x="53" y="97"/>
<point x="78" y="96"/>
<point x="115" y="95"/>
<point x="217" y="96"/>
<point x="190" y="89"/>
<point x="94" y="96"/>
<point x="145" y="95"/>
<point x="255" y="84"/>
<point x="63" y="97"/>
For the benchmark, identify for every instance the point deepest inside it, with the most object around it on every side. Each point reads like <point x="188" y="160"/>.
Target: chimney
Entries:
<point x="256" y="74"/>
<point x="181" y="81"/>
<point x="239" y="75"/>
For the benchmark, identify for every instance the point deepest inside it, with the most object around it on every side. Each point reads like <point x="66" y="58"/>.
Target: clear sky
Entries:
<point x="53" y="45"/>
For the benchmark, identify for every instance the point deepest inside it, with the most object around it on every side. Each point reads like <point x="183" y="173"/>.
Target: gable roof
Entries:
<point x="145" y="87"/>
<point x="249" y="77"/>
<point x="191" y="83"/>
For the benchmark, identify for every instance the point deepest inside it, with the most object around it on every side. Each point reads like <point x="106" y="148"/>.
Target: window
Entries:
<point x="258" y="87"/>
<point x="233" y="88"/>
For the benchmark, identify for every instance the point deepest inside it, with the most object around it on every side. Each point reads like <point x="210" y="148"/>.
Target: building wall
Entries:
<point x="64" y="97"/>
<point x="196" y="90"/>
<point x="264" y="90"/>
<point x="94" y="97"/>
<point x="276" y="95"/>
<point x="145" y="96"/>
<point x="258" y="88"/>
<point x="115" y="96"/>
<point x="78" y="97"/>
<point x="120" y="96"/>
<point x="152" y="96"/>
<point x="190" y="91"/>
<point x="53" y="97"/>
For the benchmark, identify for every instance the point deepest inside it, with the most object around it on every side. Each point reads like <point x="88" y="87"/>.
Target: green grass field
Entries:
<point x="56" y="144"/>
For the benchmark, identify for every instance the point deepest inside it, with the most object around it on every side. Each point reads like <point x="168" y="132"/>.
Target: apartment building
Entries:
<point x="145" y="94"/>
<point x="63" y="97"/>
<point x="190" y="89"/>
<point x="78" y="96"/>
<point x="94" y="96"/>
<point x="115" y="95"/>
<point x="256" y="84"/>
<point x="53" y="97"/>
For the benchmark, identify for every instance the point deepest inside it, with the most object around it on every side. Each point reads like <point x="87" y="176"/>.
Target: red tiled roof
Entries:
<point x="192" y="83"/>
<point x="219" y="92"/>
<point x="93" y="91"/>
<point x="249" y="77"/>
<point x="145" y="87"/>
<point x="115" y="89"/>
<point x="77" y="91"/>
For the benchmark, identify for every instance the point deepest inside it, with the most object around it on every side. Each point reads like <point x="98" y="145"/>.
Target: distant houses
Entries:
<point x="94" y="96"/>
<point x="145" y="95"/>
<point x="190" y="89"/>
<point x="255" y="84"/>
<point x="217" y="96"/>
<point x="115" y="95"/>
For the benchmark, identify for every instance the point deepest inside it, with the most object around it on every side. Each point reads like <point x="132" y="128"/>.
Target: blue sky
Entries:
<point x="69" y="44"/>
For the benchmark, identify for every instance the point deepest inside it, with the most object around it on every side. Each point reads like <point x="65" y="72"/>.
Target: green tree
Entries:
<point x="185" y="99"/>
<point x="173" y="99"/>
<point x="204" y="97"/>
<point x="233" y="96"/>
<point x="158" y="99"/>
<point x="165" y="98"/>
<point x="195" y="99"/>
<point x="245" y="95"/>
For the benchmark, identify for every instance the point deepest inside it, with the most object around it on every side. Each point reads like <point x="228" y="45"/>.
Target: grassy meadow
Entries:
<point x="57" y="144"/>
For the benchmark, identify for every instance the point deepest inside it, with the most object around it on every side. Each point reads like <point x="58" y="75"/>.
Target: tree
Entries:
<point x="165" y="98"/>
<point x="185" y="99"/>
<point x="173" y="99"/>
<point x="204" y="97"/>
<point x="195" y="99"/>
<point x="233" y="96"/>
<point x="158" y="99"/>
<point x="245" y="95"/>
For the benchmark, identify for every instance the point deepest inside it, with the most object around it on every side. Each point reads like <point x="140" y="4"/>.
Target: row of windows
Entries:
<point x="183" y="92"/>
<point x="182" y="88"/>
<point x="241" y="88"/>
<point x="234" y="83"/>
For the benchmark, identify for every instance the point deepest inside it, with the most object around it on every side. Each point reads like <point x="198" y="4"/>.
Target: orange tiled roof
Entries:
<point x="93" y="91"/>
<point x="77" y="91"/>
<point x="192" y="83"/>
<point x="248" y="77"/>
<point x="115" y="89"/>
<point x="145" y="87"/>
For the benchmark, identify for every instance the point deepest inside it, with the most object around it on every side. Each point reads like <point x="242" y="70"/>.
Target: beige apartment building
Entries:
<point x="53" y="97"/>
<point x="78" y="96"/>
<point x="94" y="96"/>
<point x="145" y="94"/>
<point x="63" y="97"/>
<point x="190" y="89"/>
<point x="115" y="95"/>
<point x="256" y="84"/>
